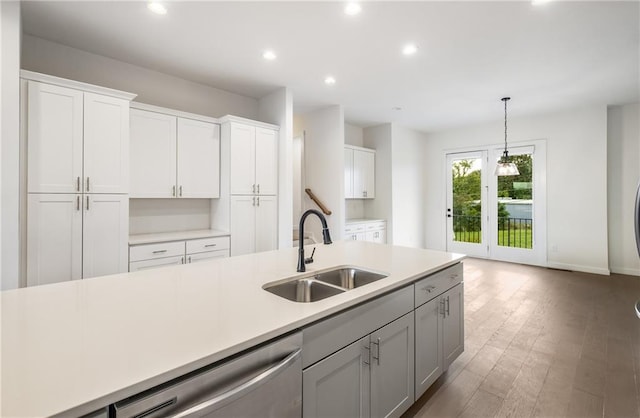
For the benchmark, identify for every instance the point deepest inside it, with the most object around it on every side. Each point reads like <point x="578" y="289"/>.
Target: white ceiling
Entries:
<point x="549" y="57"/>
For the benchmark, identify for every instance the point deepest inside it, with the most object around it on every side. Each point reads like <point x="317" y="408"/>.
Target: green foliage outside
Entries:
<point x="467" y="206"/>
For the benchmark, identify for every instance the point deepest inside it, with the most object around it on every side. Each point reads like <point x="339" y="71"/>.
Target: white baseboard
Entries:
<point x="575" y="267"/>
<point x="625" y="270"/>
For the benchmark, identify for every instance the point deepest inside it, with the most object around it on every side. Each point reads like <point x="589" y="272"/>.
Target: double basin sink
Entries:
<point x="321" y="285"/>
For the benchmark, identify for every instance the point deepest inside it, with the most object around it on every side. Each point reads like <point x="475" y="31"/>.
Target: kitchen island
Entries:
<point x="71" y="348"/>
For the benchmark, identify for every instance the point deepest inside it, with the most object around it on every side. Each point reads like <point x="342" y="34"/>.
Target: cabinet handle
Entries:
<point x="258" y="188"/>
<point x="181" y="260"/>
<point x="159" y="251"/>
<point x="210" y="245"/>
<point x="180" y="191"/>
<point x="368" y="355"/>
<point x="189" y="259"/>
<point x="253" y="189"/>
<point x="87" y="202"/>
<point x="448" y="305"/>
<point x="87" y="183"/>
<point x="78" y="184"/>
<point x="78" y="203"/>
<point x="173" y="192"/>
<point x="258" y="201"/>
<point x="444" y="313"/>
<point x="354" y="237"/>
<point x="377" y="343"/>
<point x="428" y="289"/>
<point x="364" y="194"/>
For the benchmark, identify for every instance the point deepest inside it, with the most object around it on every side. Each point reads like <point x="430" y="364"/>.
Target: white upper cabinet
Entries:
<point x="359" y="173"/>
<point x="54" y="138"/>
<point x="198" y="159"/>
<point x="77" y="141"/>
<point x="254" y="159"/>
<point x="348" y="173"/>
<point x="106" y="144"/>
<point x="173" y="156"/>
<point x="153" y="154"/>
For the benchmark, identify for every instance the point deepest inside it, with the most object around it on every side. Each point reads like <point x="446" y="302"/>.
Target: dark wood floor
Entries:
<point x="542" y="343"/>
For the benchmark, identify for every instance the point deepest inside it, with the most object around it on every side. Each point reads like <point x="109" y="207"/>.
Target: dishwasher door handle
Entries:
<point x="240" y="390"/>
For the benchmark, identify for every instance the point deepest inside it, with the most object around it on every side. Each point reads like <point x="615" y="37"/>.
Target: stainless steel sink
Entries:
<point x="321" y="285"/>
<point x="348" y="277"/>
<point x="304" y="289"/>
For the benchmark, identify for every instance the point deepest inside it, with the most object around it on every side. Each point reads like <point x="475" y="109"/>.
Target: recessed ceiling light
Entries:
<point x="396" y="108"/>
<point x="269" y="55"/>
<point x="157" y="8"/>
<point x="352" y="9"/>
<point x="539" y="2"/>
<point x="329" y="81"/>
<point x="409" y="49"/>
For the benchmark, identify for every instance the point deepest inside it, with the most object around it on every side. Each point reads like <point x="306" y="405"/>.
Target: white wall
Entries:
<point x="623" y="153"/>
<point x="147" y="216"/>
<point x="407" y="180"/>
<point x="576" y="181"/>
<point x="324" y="166"/>
<point x="379" y="138"/>
<point x="277" y="108"/>
<point x="152" y="87"/>
<point x="10" y="149"/>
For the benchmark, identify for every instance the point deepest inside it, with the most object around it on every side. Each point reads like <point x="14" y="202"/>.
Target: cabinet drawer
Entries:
<point x="330" y="335"/>
<point x="154" y="264"/>
<point x="153" y="251"/>
<point x="376" y="225"/>
<point x="350" y="229"/>
<point x="437" y="283"/>
<point x="207" y="244"/>
<point x="208" y="255"/>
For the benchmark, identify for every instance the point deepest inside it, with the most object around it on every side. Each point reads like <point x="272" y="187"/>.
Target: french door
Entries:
<point x="498" y="217"/>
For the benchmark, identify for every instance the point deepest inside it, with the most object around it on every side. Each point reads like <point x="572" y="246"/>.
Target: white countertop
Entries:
<point x="362" y="220"/>
<point x="138" y="239"/>
<point x="76" y="346"/>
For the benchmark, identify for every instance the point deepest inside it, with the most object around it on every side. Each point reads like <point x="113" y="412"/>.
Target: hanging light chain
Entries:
<point x="505" y="155"/>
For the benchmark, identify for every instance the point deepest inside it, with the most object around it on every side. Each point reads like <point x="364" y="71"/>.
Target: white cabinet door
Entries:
<point x="338" y="386"/>
<point x="266" y="223"/>
<point x="363" y="174"/>
<point x="428" y="319"/>
<point x="453" y="326"/>
<point x="105" y="234"/>
<point x="378" y="236"/>
<point x="357" y="236"/>
<point x="198" y="159"/>
<point x="392" y="368"/>
<point x="153" y="154"/>
<point x="348" y="173"/>
<point x="266" y="161"/>
<point x="106" y="144"/>
<point x="54" y="238"/>
<point x="54" y="139"/>
<point x="243" y="159"/>
<point x="154" y="264"/>
<point x="243" y="225"/>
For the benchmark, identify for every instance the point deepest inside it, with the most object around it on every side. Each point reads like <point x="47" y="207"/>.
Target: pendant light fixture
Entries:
<point x="505" y="167"/>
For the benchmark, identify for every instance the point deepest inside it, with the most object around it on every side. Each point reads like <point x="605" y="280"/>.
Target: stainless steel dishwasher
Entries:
<point x="265" y="382"/>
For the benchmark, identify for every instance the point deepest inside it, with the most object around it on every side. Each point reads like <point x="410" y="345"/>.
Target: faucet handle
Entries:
<point x="310" y="259"/>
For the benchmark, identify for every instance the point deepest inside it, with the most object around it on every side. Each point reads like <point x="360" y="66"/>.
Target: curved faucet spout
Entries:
<point x="326" y="237"/>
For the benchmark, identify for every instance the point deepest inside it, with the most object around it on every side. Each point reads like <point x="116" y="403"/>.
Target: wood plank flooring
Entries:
<point x="542" y="343"/>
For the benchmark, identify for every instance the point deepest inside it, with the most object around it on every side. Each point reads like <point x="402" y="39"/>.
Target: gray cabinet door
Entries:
<point x="429" y="318"/>
<point x="453" y="327"/>
<point x="392" y="368"/>
<point x="338" y="386"/>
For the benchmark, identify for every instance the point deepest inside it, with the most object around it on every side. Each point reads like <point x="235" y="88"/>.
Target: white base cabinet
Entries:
<point x="75" y="236"/>
<point x="162" y="254"/>
<point x="364" y="230"/>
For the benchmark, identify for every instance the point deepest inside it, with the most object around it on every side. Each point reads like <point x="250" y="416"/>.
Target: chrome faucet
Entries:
<point x="326" y="238"/>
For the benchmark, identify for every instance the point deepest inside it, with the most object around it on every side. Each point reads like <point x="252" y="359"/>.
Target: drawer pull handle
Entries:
<point x="429" y="288"/>
<point x="159" y="251"/>
<point x="210" y="245"/>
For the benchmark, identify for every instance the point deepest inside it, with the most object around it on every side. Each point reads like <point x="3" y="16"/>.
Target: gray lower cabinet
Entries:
<point x="371" y="377"/>
<point x="338" y="386"/>
<point x="439" y="328"/>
